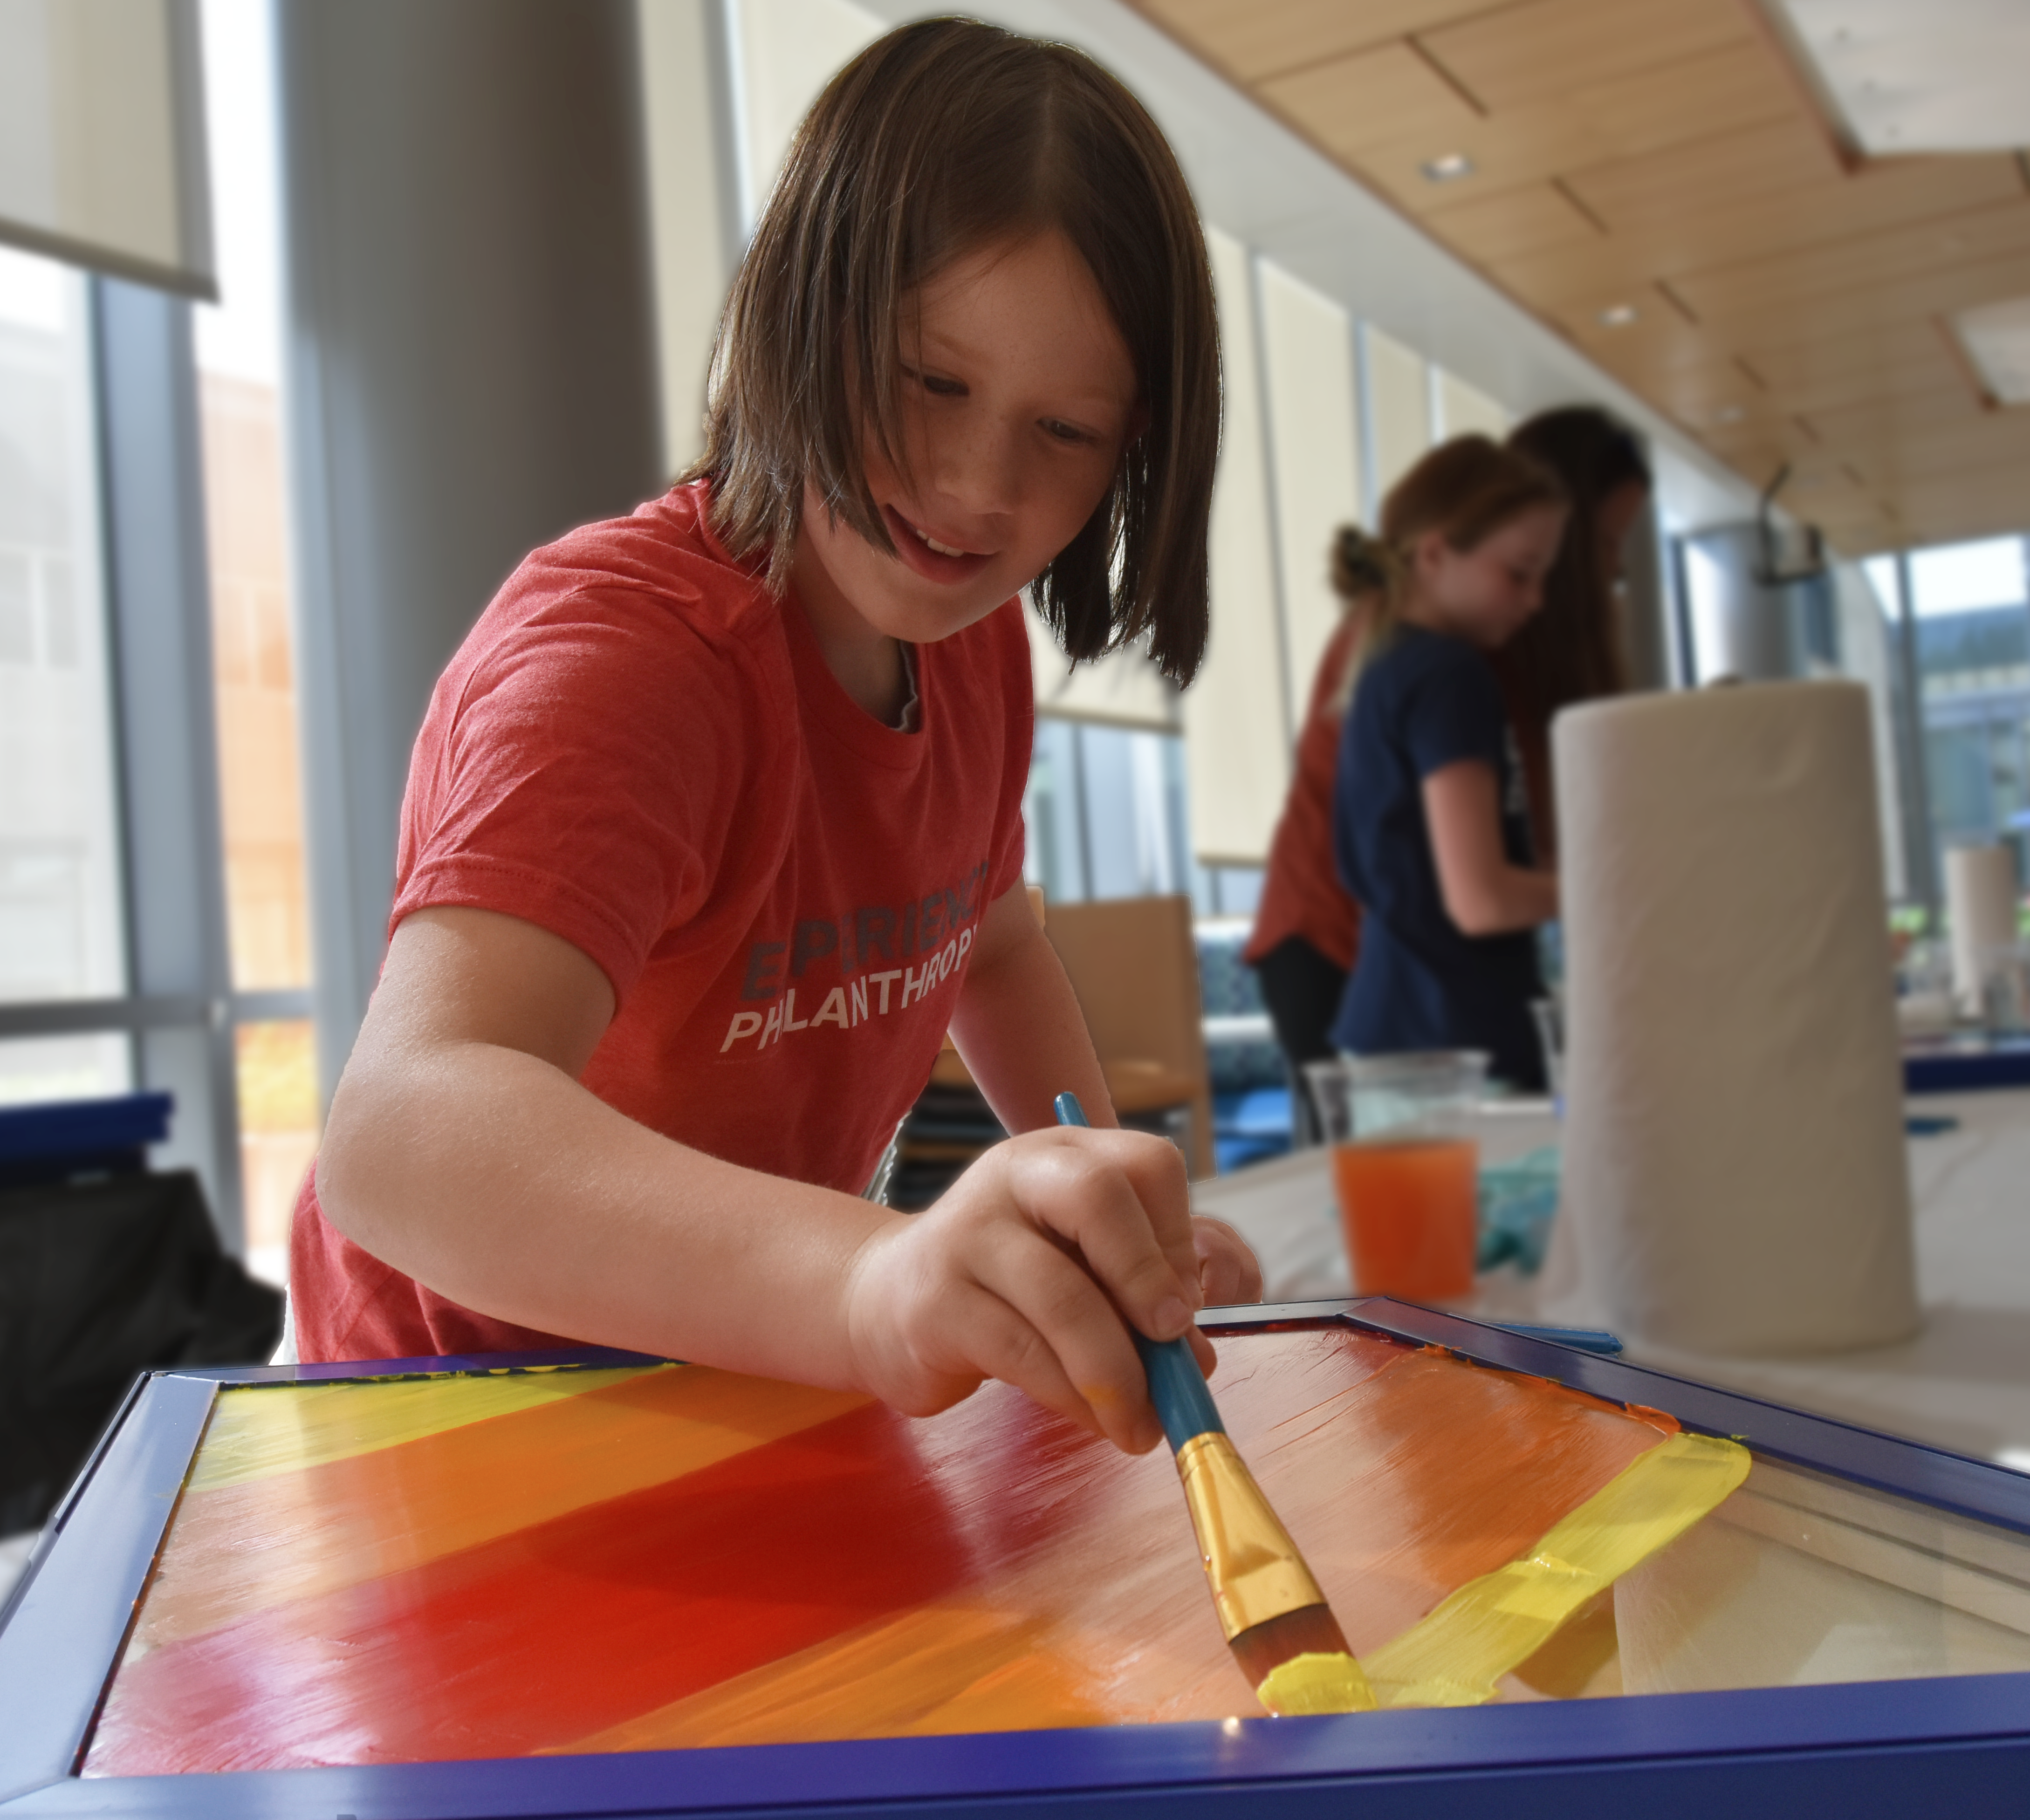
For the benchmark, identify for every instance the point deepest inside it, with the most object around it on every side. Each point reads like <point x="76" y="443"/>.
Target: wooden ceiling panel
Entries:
<point x="1661" y="155"/>
<point x="1271" y="36"/>
<point x="1513" y="224"/>
<point x="1796" y="363"/>
<point x="1729" y="91"/>
<point x="1881" y="422"/>
<point x="1948" y="508"/>
<point x="1872" y="263"/>
<point x="1773" y="227"/>
<point x="1918" y="294"/>
<point x="1537" y="54"/>
<point x="1878" y="386"/>
<point x="1358" y="101"/>
<point x="1997" y="441"/>
<point x="1631" y="196"/>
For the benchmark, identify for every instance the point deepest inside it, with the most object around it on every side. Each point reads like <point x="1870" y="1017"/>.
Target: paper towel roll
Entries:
<point x="1734" y="1170"/>
<point x="1981" y="911"/>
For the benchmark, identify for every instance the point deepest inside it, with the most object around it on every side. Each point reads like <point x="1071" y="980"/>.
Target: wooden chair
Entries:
<point x="1134" y="967"/>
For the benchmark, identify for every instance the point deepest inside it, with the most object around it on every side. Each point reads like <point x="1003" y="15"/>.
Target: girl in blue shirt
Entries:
<point x="1431" y="820"/>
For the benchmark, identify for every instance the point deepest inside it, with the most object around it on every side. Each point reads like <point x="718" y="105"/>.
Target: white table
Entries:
<point x="1964" y="1383"/>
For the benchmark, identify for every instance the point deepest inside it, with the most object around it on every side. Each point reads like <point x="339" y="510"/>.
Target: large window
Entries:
<point x="150" y="813"/>
<point x="63" y="934"/>
<point x="1969" y="648"/>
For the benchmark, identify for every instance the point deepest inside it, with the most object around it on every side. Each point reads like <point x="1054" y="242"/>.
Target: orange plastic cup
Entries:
<point x="1405" y="1174"/>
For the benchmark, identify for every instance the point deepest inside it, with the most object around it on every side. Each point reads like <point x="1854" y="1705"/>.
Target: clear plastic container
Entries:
<point x="1405" y="1170"/>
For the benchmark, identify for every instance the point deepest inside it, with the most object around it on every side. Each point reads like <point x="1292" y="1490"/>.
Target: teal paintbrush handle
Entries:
<point x="1176" y="1385"/>
<point x="1178" y="1388"/>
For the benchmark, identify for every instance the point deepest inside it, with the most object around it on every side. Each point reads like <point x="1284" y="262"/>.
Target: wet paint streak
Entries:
<point x="258" y="1431"/>
<point x="561" y="1631"/>
<point x="608" y="1581"/>
<point x="249" y="1546"/>
<point x="942" y="1669"/>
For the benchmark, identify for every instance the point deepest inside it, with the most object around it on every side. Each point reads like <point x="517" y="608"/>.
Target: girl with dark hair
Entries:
<point x="1429" y="818"/>
<point x="714" y="826"/>
<point x="1572" y="650"/>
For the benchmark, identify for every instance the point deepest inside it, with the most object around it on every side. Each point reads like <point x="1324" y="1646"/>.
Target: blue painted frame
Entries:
<point x="1888" y="1748"/>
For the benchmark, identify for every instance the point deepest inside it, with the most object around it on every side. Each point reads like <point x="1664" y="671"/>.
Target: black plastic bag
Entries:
<point x="100" y="1280"/>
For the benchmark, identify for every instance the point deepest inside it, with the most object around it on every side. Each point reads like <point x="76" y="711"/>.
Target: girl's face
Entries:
<point x="1613" y="518"/>
<point x="1019" y="399"/>
<point x="1483" y="595"/>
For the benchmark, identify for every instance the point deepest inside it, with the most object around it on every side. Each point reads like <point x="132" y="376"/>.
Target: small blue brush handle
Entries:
<point x="1176" y="1385"/>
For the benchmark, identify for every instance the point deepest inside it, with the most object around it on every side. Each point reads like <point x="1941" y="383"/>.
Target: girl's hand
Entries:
<point x="1228" y="1272"/>
<point x="1025" y="1272"/>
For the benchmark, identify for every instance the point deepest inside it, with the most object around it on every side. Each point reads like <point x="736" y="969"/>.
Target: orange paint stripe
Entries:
<point x="561" y="1630"/>
<point x="264" y="1542"/>
<point x="944" y="1668"/>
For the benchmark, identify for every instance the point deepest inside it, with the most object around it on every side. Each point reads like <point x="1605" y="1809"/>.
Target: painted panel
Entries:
<point x="669" y="1556"/>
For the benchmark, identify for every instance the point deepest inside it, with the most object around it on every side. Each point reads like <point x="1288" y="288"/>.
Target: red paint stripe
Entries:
<point x="560" y="1630"/>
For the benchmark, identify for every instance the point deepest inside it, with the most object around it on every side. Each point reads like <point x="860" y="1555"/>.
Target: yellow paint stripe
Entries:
<point x="259" y="1430"/>
<point x="940" y="1669"/>
<point x="239" y="1549"/>
<point x="1453" y="1657"/>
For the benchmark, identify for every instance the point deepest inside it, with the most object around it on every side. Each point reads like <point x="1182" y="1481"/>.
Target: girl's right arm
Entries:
<point x="462" y="1150"/>
<point x="1485" y="893"/>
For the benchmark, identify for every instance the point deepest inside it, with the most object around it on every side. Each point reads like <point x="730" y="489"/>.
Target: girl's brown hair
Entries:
<point x="943" y="137"/>
<point x="1463" y="490"/>
<point x="1572" y="650"/>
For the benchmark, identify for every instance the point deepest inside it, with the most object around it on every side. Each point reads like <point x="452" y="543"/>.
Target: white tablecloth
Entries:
<point x="1964" y="1383"/>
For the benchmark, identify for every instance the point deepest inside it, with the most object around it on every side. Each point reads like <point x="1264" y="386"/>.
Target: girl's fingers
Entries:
<point x="1228" y="1270"/>
<point x="1120" y="1198"/>
<point x="1073" y="1322"/>
<point x="999" y="1341"/>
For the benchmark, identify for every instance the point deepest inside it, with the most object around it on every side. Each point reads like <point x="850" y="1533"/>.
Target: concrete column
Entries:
<point x="472" y="371"/>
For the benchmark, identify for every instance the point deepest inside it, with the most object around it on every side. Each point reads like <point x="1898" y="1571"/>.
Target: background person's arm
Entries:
<point x="462" y="1150"/>
<point x="1484" y="894"/>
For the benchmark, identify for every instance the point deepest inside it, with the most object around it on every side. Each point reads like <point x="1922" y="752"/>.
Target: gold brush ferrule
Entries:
<point x="1255" y="1570"/>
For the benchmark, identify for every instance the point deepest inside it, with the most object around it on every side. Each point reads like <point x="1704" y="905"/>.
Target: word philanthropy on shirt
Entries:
<point x="939" y="928"/>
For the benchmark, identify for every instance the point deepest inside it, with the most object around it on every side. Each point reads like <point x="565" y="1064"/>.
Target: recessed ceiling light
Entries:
<point x="1445" y="169"/>
<point x="1997" y="339"/>
<point x="1618" y="315"/>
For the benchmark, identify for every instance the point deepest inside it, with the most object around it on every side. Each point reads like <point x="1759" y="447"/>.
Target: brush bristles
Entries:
<point x="1310" y="1630"/>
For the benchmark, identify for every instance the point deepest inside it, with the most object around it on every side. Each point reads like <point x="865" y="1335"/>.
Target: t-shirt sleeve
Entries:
<point x="580" y="774"/>
<point x="1451" y="711"/>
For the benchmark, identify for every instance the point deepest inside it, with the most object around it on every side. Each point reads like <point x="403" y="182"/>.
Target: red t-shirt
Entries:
<point x="1302" y="894"/>
<point x="639" y="750"/>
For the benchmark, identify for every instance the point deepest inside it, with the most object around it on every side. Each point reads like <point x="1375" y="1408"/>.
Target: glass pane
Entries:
<point x="64" y="1067"/>
<point x="1973" y="678"/>
<point x="1054" y="851"/>
<point x="278" y="1134"/>
<point x="240" y="369"/>
<point x="62" y="931"/>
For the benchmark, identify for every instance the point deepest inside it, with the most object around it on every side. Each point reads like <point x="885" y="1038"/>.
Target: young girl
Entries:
<point x="1429" y="821"/>
<point x="714" y="825"/>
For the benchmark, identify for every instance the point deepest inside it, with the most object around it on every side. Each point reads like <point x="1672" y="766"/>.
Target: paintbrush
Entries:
<point x="1277" y="1624"/>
